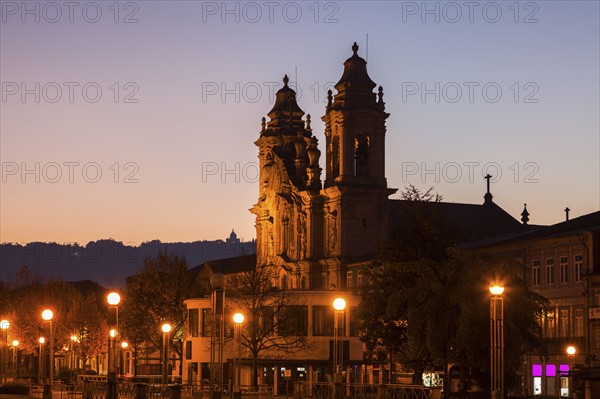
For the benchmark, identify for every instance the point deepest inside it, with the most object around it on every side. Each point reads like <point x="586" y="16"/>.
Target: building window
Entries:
<point x="359" y="278"/>
<point x="322" y="320"/>
<point x="293" y="321"/>
<point x="188" y="350"/>
<point x="550" y="324"/>
<point x="535" y="276"/>
<point x="206" y="329"/>
<point x="564" y="323"/>
<point x="578" y="322"/>
<point x="267" y="319"/>
<point x="578" y="267"/>
<point x="349" y="279"/>
<point x="564" y="270"/>
<point x="550" y="271"/>
<point x="193" y="322"/>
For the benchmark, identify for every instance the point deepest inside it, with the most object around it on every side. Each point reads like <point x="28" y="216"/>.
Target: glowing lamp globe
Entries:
<point x="238" y="318"/>
<point x="571" y="350"/>
<point x="166" y="328"/>
<point x="41" y="340"/>
<point x="47" y="315"/>
<point x="15" y="343"/>
<point x="339" y="304"/>
<point x="113" y="298"/>
<point x="496" y="289"/>
<point x="4" y="324"/>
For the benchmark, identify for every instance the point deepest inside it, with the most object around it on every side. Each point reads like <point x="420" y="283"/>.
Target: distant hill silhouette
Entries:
<point x="109" y="262"/>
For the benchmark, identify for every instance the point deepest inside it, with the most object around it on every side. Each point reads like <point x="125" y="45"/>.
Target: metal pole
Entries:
<point x="41" y="373"/>
<point x="165" y="379"/>
<point x="51" y="349"/>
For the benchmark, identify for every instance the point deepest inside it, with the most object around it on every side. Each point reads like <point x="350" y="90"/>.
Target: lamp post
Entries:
<point x="124" y="346"/>
<point x="47" y="315"/>
<point x="217" y="282"/>
<point x="15" y="345"/>
<point x="4" y="324"/>
<point x="497" y="341"/>
<point x="339" y="304"/>
<point x="113" y="299"/>
<point x="571" y="350"/>
<point x="238" y="319"/>
<point x="41" y="373"/>
<point x="166" y="329"/>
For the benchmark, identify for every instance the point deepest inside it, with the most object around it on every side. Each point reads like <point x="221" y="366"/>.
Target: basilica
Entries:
<point x="318" y="233"/>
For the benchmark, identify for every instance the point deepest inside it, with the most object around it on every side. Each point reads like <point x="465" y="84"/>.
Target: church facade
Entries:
<point x="314" y="232"/>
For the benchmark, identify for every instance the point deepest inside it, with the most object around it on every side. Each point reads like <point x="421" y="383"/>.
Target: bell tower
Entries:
<point x="355" y="182"/>
<point x="355" y="129"/>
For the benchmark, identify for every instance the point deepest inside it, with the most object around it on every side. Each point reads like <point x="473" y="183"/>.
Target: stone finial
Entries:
<point x="329" y="98"/>
<point x="355" y="48"/>
<point x="525" y="215"/>
<point x="567" y="210"/>
<point x="286" y="80"/>
<point x="263" y="124"/>
<point x="308" y="129"/>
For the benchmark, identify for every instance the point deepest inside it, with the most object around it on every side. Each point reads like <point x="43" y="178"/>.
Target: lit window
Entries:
<point x="551" y="370"/>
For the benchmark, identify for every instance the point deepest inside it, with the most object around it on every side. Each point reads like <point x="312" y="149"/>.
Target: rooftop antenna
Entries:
<point x="367" y="54"/>
<point x="296" y="76"/>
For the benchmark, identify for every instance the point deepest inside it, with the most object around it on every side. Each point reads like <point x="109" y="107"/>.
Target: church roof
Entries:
<point x="286" y="113"/>
<point x="466" y="222"/>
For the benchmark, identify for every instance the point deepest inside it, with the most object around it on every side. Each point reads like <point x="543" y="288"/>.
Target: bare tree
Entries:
<point x="276" y="320"/>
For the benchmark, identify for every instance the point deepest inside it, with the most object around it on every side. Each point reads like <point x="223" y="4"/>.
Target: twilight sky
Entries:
<point x="136" y="120"/>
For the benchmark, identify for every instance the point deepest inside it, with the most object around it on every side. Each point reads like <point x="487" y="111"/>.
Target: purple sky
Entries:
<point x="166" y="103"/>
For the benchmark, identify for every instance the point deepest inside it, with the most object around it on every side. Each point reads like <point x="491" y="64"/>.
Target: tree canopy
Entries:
<point x="427" y="302"/>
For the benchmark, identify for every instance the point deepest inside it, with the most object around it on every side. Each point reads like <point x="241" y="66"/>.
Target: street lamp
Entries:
<point x="15" y="345"/>
<point x="166" y="329"/>
<point x="339" y="304"/>
<point x="124" y="346"/>
<point x="571" y="350"/>
<point x="47" y="315"/>
<point x="497" y="340"/>
<point x="41" y="373"/>
<point x="238" y="319"/>
<point x="4" y="324"/>
<point x="113" y="298"/>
